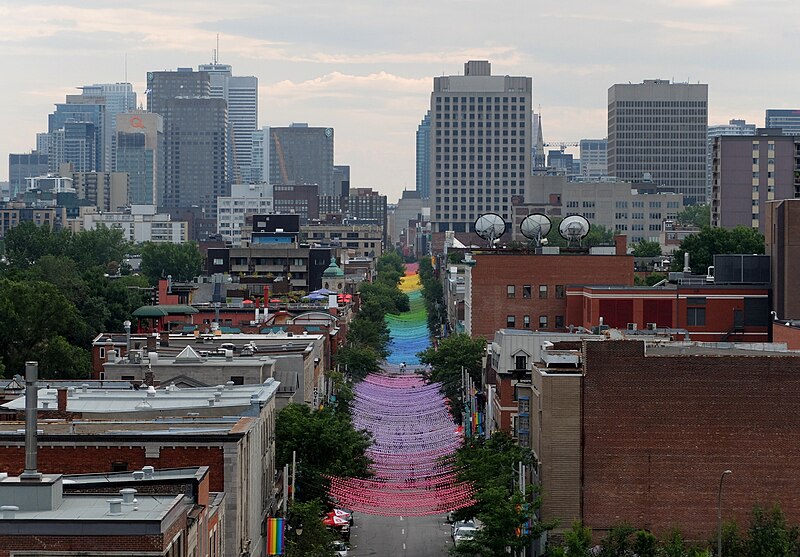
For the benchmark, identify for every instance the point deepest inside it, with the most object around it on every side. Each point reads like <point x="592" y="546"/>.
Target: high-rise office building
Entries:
<point x="259" y="166"/>
<point x="341" y="179"/>
<point x="195" y="135"/>
<point x="480" y="145"/>
<point x="241" y="94"/>
<point x="658" y="127"/>
<point x="594" y="157"/>
<point x="118" y="98"/>
<point x="733" y="127"/>
<point x="787" y="119"/>
<point x="22" y="166"/>
<point x="302" y="155"/>
<point x="749" y="171"/>
<point x="424" y="157"/>
<point x="140" y="153"/>
<point x="78" y="134"/>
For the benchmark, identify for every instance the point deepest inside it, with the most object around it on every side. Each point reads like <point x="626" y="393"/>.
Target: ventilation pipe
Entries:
<point x="686" y="267"/>
<point x="128" y="495"/>
<point x="115" y="506"/>
<point x="148" y="472"/>
<point x="31" y="421"/>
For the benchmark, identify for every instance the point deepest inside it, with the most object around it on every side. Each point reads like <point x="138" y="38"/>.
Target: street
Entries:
<point x="390" y="536"/>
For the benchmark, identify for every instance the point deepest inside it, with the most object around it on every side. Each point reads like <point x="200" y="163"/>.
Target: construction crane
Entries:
<point x="562" y="145"/>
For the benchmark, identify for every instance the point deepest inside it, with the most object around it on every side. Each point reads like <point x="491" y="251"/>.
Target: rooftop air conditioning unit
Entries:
<point x="632" y="326"/>
<point x="652" y="326"/>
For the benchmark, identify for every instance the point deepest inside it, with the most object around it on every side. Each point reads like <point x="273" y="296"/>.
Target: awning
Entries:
<point x="150" y="312"/>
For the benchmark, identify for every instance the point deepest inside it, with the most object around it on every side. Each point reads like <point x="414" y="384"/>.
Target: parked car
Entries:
<point x="340" y="548"/>
<point x="460" y="524"/>
<point x="464" y="533"/>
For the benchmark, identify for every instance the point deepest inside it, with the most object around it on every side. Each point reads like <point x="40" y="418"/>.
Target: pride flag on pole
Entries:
<point x="275" y="536"/>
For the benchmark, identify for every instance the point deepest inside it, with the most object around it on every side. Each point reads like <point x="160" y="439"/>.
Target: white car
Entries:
<point x="464" y="533"/>
<point x="460" y="524"/>
<point x="340" y="548"/>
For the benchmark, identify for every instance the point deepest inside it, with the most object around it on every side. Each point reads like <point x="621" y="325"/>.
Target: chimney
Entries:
<point x="686" y="267"/>
<point x="31" y="421"/>
<point x="61" y="396"/>
<point x="621" y="245"/>
<point x="151" y="343"/>
<point x="164" y="338"/>
<point x="149" y="377"/>
<point x="127" y="326"/>
<point x="148" y="472"/>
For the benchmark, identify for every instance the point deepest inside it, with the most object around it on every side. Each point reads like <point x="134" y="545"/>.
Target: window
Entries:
<point x="559" y="321"/>
<point x="237" y="379"/>
<point x="510" y="321"/>
<point x="510" y="291"/>
<point x="218" y="261"/>
<point x="119" y="466"/>
<point x="102" y="356"/>
<point x="695" y="317"/>
<point x="521" y="362"/>
<point x="542" y="291"/>
<point x="526" y="291"/>
<point x="526" y="321"/>
<point x="542" y="321"/>
<point x="560" y="291"/>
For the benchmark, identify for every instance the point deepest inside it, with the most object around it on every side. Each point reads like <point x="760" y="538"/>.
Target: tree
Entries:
<point x="315" y="540"/>
<point x="712" y="241"/>
<point x="597" y="235"/>
<point x="646" y="248"/>
<point x="695" y="215"/>
<point x="769" y="534"/>
<point x="617" y="542"/>
<point x="325" y="443"/>
<point x="181" y="261"/>
<point x="100" y="247"/>
<point x="578" y="540"/>
<point x="358" y="360"/>
<point x="27" y="242"/>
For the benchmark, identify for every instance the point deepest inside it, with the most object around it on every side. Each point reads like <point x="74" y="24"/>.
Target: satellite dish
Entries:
<point x="535" y="227"/>
<point x="574" y="228"/>
<point x="490" y="226"/>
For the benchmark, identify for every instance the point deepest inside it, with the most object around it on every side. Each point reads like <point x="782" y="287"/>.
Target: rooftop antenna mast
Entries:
<point x="215" y="57"/>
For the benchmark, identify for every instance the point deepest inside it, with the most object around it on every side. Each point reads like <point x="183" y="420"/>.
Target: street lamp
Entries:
<point x="719" y="513"/>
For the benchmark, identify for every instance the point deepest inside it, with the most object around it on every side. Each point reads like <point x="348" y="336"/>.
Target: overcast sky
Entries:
<point x="365" y="67"/>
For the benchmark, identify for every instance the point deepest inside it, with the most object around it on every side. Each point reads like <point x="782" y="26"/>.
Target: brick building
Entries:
<point x="174" y="515"/>
<point x="231" y="430"/>
<point x="640" y="434"/>
<point x="508" y="289"/>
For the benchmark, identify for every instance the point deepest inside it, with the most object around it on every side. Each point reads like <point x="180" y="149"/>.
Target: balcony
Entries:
<point x="298" y="269"/>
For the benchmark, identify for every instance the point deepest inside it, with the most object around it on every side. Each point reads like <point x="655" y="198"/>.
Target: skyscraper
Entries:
<point x="195" y="131"/>
<point x="594" y="157"/>
<point x="424" y="157"/>
<point x="259" y="167"/>
<point x="140" y="153"/>
<point x="22" y="166"/>
<point x="78" y="134"/>
<point x="241" y="94"/>
<point x="118" y="98"/>
<point x="302" y="155"/>
<point x="658" y="127"/>
<point x="480" y="145"/>
<point x="787" y="119"/>
<point x="733" y="127"/>
<point x="341" y="179"/>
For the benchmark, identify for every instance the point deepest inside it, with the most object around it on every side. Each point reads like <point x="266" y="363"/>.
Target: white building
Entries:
<point x="141" y="224"/>
<point x="594" y="157"/>
<point x="245" y="199"/>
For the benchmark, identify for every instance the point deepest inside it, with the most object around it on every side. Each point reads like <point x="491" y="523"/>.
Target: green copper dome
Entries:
<point x="333" y="270"/>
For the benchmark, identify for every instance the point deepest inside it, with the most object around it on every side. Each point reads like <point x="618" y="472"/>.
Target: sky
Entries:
<point x="366" y="67"/>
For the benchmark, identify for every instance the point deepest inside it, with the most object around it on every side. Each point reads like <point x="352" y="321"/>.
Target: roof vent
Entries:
<point x="9" y="511"/>
<point x="85" y="388"/>
<point x="254" y="398"/>
<point x="217" y="396"/>
<point x="45" y="405"/>
<point x="211" y="402"/>
<point x="138" y="475"/>
<point x="115" y="506"/>
<point x="229" y="384"/>
<point x="128" y="495"/>
<point x="151" y="391"/>
<point x="148" y="472"/>
<point x="70" y="392"/>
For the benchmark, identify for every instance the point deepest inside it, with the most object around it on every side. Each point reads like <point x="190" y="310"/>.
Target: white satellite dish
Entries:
<point x="535" y="227"/>
<point x="490" y="226"/>
<point x="574" y="228"/>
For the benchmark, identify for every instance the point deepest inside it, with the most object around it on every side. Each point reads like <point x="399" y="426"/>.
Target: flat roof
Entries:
<point x="149" y="399"/>
<point x="720" y="349"/>
<point x="187" y="426"/>
<point x="95" y="507"/>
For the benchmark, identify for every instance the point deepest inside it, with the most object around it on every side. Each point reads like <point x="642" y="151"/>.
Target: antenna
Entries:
<point x="216" y="51"/>
<point x="574" y="228"/>
<point x="490" y="226"/>
<point x="535" y="227"/>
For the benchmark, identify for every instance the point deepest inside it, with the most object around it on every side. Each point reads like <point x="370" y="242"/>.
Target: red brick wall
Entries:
<point x="658" y="432"/>
<point x="80" y="542"/>
<point x="789" y="335"/>
<point x="84" y="460"/>
<point x="494" y="272"/>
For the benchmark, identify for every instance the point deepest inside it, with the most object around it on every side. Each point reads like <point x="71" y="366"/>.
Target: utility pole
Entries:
<point x="294" y="471"/>
<point x="285" y="487"/>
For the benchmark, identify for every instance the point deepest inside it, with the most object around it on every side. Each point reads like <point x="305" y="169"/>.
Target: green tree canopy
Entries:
<point x="713" y="241"/>
<point x="325" y="443"/>
<point x="695" y="215"/>
<point x="315" y="540"/>
<point x="598" y="235"/>
<point x="646" y="248"/>
<point x="181" y="261"/>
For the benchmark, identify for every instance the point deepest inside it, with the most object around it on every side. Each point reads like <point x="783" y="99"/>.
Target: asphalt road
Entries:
<point x="393" y="536"/>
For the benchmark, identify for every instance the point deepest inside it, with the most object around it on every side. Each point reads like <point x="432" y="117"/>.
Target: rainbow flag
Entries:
<point x="275" y="536"/>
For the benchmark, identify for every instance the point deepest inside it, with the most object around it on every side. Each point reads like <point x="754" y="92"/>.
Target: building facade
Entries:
<point x="594" y="157"/>
<point x="749" y="171"/>
<point x="140" y="224"/>
<point x="480" y="145"/>
<point x="22" y="166"/>
<point x="733" y="127"/>
<point x="302" y="155"/>
<point x="195" y="134"/>
<point x="787" y="120"/>
<point x="660" y="128"/>
<point x="244" y="199"/>
<point x="424" y="157"/>
<point x="782" y="239"/>
<point x="140" y="153"/>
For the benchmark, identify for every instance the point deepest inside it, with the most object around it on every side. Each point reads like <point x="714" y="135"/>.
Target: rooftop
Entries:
<point x="170" y="398"/>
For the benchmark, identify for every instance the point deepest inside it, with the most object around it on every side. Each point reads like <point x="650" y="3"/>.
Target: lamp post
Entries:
<point x="719" y="513"/>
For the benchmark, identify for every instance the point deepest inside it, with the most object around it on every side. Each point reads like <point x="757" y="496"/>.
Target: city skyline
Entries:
<point x="366" y="69"/>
